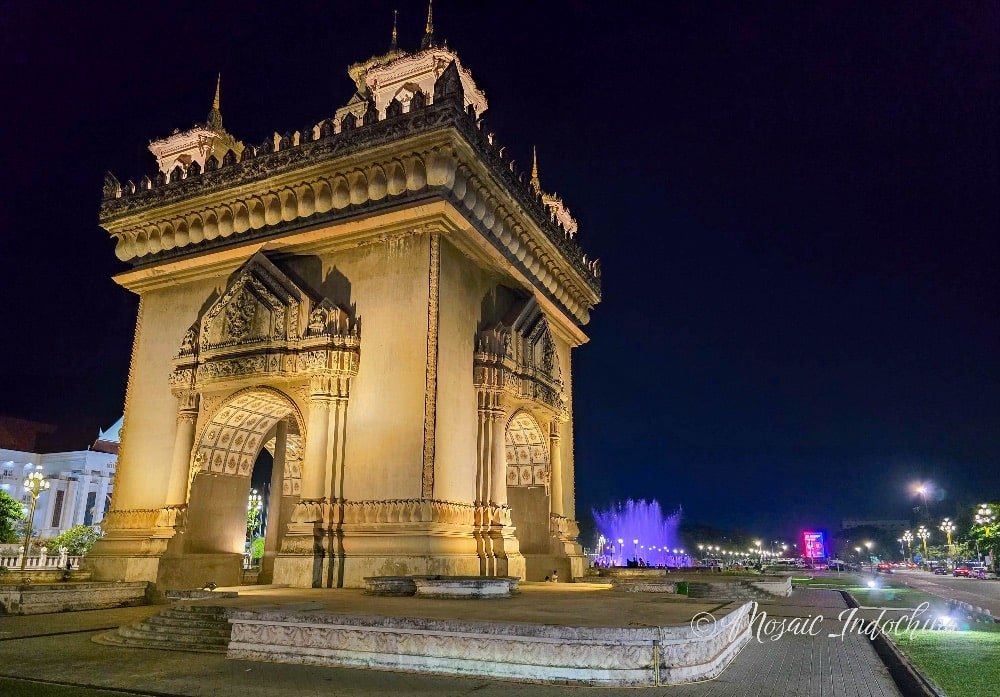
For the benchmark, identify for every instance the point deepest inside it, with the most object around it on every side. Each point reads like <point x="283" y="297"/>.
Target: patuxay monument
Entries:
<point x="384" y="302"/>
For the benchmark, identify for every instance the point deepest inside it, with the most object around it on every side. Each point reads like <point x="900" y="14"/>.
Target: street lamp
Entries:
<point x="985" y="517"/>
<point x="635" y="549"/>
<point x="254" y="504"/>
<point x="35" y="483"/>
<point x="923" y="489"/>
<point x="908" y="539"/>
<point x="947" y="527"/>
<point x="923" y="533"/>
<point x="621" y="551"/>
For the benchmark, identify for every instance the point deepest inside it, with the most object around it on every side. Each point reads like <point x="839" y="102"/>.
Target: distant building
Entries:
<point x="80" y="482"/>
<point x="893" y="526"/>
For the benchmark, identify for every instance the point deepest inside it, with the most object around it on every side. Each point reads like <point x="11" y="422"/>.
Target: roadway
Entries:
<point x="984" y="594"/>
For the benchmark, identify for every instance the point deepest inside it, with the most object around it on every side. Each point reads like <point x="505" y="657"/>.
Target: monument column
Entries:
<point x="314" y="461"/>
<point x="336" y="437"/>
<point x="180" y="467"/>
<point x="498" y="458"/>
<point x="555" y="461"/>
<point x="273" y="530"/>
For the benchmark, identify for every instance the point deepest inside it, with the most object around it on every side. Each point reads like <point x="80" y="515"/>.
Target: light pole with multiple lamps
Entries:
<point x="923" y="533"/>
<point x="908" y="539"/>
<point x="985" y="517"/>
<point x="35" y="483"/>
<point x="947" y="527"/>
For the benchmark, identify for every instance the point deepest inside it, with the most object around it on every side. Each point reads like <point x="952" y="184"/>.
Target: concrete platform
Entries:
<point x="41" y="598"/>
<point x="551" y="633"/>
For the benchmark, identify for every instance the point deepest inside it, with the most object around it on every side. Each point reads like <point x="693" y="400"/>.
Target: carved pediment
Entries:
<point x="261" y="304"/>
<point x="265" y="324"/>
<point x="519" y="355"/>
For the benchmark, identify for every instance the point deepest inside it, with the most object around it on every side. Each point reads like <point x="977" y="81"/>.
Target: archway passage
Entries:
<point x="229" y="446"/>
<point x="527" y="483"/>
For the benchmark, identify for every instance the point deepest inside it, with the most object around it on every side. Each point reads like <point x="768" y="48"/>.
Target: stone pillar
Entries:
<point x="336" y="442"/>
<point x="498" y="458"/>
<point x="273" y="531"/>
<point x="180" y="465"/>
<point x="555" y="462"/>
<point x="483" y="452"/>
<point x="314" y="462"/>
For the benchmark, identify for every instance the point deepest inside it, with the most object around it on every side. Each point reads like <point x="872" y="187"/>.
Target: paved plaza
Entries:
<point x="57" y="649"/>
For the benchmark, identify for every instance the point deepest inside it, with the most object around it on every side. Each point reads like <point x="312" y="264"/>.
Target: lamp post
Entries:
<point x="923" y="533"/>
<point x="35" y="483"/>
<point x="947" y="527"/>
<point x="621" y="551"/>
<point x="902" y="553"/>
<point x="635" y="550"/>
<point x="254" y="504"/>
<point x="985" y="517"/>
<point x="923" y="490"/>
<point x="908" y="539"/>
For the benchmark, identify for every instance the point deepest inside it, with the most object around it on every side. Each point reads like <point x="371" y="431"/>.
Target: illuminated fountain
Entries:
<point x="636" y="530"/>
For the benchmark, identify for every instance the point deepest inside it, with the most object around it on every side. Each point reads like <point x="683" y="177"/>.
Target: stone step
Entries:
<point x="175" y="616"/>
<point x="179" y="627"/>
<point x="114" y="639"/>
<point x="140" y="632"/>
<point x="169" y="629"/>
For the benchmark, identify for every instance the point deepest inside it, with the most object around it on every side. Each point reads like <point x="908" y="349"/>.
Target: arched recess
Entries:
<point x="226" y="451"/>
<point x="527" y="481"/>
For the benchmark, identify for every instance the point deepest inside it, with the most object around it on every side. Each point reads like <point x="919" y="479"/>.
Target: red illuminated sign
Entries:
<point x="813" y="545"/>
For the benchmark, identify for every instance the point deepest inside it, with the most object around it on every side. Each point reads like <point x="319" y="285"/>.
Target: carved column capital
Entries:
<point x="187" y="404"/>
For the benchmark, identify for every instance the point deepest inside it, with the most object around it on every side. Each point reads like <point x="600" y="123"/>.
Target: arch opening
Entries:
<point x="527" y="482"/>
<point x="228" y="462"/>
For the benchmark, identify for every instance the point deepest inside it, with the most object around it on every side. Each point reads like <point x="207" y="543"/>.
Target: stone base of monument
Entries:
<point x="545" y="653"/>
<point x="199" y="594"/>
<point x="442" y="586"/>
<point x="465" y="586"/>
<point x="40" y="598"/>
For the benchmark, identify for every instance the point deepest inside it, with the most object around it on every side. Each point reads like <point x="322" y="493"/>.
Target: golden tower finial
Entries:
<point x="215" y="115"/>
<point x="535" y="183"/>
<point x="395" y="17"/>
<point x="428" y="39"/>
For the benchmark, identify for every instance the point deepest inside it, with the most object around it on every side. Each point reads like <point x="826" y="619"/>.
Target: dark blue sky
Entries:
<point x="796" y="207"/>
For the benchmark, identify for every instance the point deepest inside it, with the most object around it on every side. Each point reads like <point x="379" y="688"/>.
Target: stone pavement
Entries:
<point x="792" y="665"/>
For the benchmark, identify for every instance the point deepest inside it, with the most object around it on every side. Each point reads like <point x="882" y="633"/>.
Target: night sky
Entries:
<point x="796" y="208"/>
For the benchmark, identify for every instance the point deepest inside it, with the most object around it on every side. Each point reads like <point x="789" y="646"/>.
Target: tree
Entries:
<point x="78" y="540"/>
<point x="10" y="514"/>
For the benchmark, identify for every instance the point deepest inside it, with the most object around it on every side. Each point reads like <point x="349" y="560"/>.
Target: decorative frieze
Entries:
<point x="395" y="511"/>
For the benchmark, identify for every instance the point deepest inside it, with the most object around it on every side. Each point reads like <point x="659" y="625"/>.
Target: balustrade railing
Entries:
<point x="36" y="562"/>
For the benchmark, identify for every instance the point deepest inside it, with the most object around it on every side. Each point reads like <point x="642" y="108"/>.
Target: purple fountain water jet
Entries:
<point x="638" y="530"/>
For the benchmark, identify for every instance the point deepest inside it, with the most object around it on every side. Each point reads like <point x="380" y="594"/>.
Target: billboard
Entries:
<point x="813" y="544"/>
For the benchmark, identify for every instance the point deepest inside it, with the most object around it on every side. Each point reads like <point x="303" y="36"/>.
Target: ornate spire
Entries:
<point x="535" y="183"/>
<point x="393" y="44"/>
<point x="428" y="40"/>
<point x="215" y="115"/>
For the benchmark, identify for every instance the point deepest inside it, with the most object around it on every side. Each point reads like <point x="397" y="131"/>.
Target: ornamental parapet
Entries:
<point x="315" y="176"/>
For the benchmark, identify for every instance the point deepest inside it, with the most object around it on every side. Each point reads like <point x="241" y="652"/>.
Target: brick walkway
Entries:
<point x="792" y="666"/>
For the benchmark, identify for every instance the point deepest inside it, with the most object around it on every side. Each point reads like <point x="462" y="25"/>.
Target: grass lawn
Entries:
<point x="894" y="596"/>
<point x="961" y="663"/>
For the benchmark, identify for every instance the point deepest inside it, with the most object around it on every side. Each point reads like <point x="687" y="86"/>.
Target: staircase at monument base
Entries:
<point x="177" y="628"/>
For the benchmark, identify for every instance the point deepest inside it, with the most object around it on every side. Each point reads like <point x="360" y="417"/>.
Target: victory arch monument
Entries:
<point x="385" y="303"/>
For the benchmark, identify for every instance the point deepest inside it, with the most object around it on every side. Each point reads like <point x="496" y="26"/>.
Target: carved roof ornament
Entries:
<point x="182" y="148"/>
<point x="428" y="39"/>
<point x="449" y="85"/>
<point x="558" y="210"/>
<point x="394" y="44"/>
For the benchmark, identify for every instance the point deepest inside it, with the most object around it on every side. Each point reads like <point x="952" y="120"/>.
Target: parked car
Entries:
<point x="940" y="571"/>
<point x="962" y="570"/>
<point x="885" y="568"/>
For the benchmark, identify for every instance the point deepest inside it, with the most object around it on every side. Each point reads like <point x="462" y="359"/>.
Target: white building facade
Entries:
<point x="80" y="483"/>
